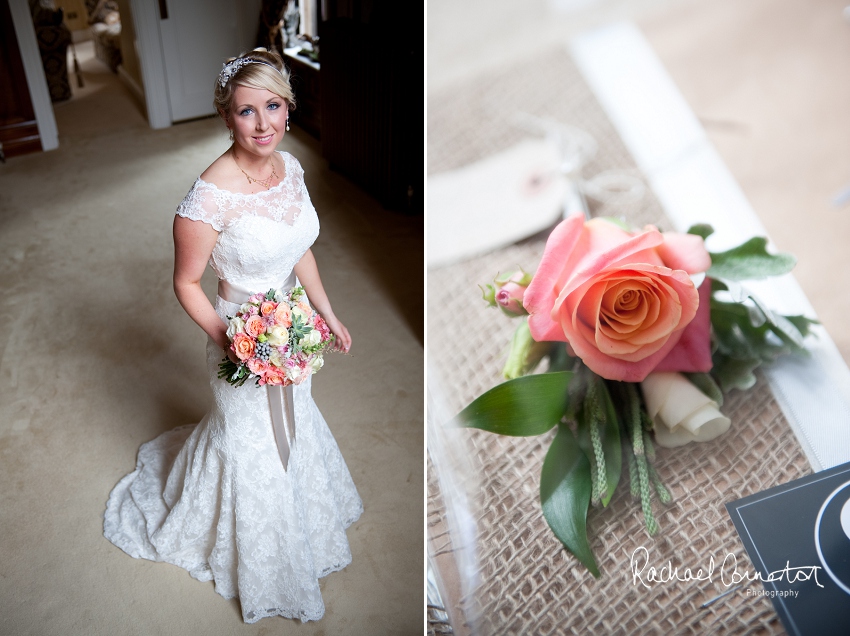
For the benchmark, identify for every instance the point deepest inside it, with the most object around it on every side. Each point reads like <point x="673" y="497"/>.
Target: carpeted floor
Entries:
<point x="88" y="373"/>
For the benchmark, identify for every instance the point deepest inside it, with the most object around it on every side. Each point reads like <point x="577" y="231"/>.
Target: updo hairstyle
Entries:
<point x="258" y="76"/>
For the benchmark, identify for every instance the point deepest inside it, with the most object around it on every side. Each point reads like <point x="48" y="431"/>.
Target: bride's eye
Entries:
<point x="274" y="106"/>
<point x="246" y="111"/>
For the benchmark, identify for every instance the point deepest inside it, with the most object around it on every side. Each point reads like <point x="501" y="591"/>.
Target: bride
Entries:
<point x="219" y="498"/>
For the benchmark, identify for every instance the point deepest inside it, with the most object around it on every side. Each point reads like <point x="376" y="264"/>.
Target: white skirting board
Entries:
<point x="693" y="185"/>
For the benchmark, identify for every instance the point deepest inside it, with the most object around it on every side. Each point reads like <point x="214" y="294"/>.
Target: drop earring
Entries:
<point x="231" y="133"/>
<point x="287" y="124"/>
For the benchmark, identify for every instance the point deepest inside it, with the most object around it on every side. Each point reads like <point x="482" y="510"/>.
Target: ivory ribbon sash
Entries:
<point x="281" y="398"/>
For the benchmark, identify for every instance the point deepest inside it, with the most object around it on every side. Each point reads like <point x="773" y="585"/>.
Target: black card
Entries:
<point x="798" y="535"/>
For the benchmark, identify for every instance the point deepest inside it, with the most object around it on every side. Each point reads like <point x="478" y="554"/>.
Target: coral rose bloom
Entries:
<point x="622" y="301"/>
<point x="283" y="315"/>
<point x="267" y="308"/>
<point x="243" y="346"/>
<point x="254" y="326"/>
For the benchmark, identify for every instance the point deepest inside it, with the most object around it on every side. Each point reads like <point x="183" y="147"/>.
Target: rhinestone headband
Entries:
<point x="230" y="69"/>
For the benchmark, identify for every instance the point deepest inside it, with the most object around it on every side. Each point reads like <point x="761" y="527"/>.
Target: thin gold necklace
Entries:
<point x="266" y="183"/>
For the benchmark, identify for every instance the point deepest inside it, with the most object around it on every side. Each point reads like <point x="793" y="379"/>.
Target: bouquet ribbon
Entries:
<point x="281" y="398"/>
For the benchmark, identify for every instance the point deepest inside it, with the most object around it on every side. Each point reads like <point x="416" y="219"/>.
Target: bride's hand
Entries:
<point x="343" y="339"/>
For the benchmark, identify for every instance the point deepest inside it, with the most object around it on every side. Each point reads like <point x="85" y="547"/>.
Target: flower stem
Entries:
<point x="663" y="494"/>
<point x="594" y="410"/>
<point x="640" y="457"/>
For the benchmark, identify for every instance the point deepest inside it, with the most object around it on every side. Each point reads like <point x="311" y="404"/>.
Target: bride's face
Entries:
<point x="258" y="120"/>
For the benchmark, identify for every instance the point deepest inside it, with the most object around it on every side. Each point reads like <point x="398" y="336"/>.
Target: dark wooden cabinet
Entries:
<point x="372" y="96"/>
<point x="18" y="128"/>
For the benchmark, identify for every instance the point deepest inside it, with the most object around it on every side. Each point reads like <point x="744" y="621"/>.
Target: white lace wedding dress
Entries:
<point x="214" y="497"/>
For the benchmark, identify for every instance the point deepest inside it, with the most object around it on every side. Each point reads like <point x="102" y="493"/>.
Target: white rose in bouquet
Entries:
<point x="311" y="339"/>
<point x="235" y="325"/>
<point x="681" y="412"/>
<point x="277" y="336"/>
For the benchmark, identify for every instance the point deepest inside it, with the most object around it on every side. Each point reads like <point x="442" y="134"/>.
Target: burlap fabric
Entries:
<point x="529" y="584"/>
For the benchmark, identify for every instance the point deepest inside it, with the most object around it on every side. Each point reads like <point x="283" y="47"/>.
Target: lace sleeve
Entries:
<point x="302" y="188"/>
<point x="200" y="205"/>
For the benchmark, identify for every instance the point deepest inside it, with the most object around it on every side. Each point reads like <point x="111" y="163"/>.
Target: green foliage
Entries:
<point x="747" y="334"/>
<point x="705" y="383"/>
<point x="235" y="374"/>
<point x="701" y="229"/>
<point x="598" y="434"/>
<point x="524" y="406"/>
<point x="750" y="261"/>
<point x="565" y="488"/>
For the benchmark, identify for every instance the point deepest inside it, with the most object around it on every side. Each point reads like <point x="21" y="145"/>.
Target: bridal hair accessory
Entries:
<point x="229" y="69"/>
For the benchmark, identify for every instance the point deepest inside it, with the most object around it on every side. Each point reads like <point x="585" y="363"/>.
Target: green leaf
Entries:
<point x="734" y="374"/>
<point x="802" y="324"/>
<point x="525" y="406"/>
<point x="781" y="326"/>
<point x="750" y="260"/>
<point x="565" y="496"/>
<point x="701" y="229"/>
<point x="705" y="383"/>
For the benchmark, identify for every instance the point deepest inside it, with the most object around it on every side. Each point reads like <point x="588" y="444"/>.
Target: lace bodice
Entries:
<point x="261" y="236"/>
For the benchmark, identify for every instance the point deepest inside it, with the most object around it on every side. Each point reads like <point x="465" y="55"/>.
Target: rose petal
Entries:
<point x="693" y="352"/>
<point x="684" y="251"/>
<point x="542" y="292"/>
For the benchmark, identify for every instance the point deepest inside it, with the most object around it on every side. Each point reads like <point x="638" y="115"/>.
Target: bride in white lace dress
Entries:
<point x="215" y="498"/>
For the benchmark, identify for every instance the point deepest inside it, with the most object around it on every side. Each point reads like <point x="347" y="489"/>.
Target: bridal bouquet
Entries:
<point x="643" y="332"/>
<point x="278" y="338"/>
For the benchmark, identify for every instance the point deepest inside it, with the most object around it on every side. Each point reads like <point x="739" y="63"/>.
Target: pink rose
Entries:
<point x="510" y="289"/>
<point x="274" y="376"/>
<point x="257" y="366"/>
<point x="622" y="301"/>
<point x="243" y="346"/>
<point x="304" y="306"/>
<point x="254" y="326"/>
<point x="267" y="308"/>
<point x="322" y="327"/>
<point x="509" y="298"/>
<point x="283" y="315"/>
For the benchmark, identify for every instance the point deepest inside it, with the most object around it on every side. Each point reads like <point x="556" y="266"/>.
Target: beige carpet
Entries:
<point x="88" y="373"/>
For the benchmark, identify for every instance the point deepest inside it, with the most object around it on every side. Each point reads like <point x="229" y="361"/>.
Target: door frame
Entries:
<point x="152" y="63"/>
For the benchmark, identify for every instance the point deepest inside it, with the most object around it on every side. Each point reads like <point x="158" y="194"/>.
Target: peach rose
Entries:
<point x="283" y="315"/>
<point x="305" y="308"/>
<point x="254" y="326"/>
<point x="622" y="301"/>
<point x="256" y="366"/>
<point x="243" y="346"/>
<point x="267" y="308"/>
<point x="274" y="377"/>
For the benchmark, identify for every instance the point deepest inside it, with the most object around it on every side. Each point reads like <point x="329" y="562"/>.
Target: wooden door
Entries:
<point x="197" y="37"/>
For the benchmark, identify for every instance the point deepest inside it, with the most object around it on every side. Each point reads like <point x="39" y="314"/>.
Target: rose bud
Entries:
<point x="508" y="292"/>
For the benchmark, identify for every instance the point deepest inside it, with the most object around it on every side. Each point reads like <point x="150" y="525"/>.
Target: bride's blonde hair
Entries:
<point x="266" y="72"/>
